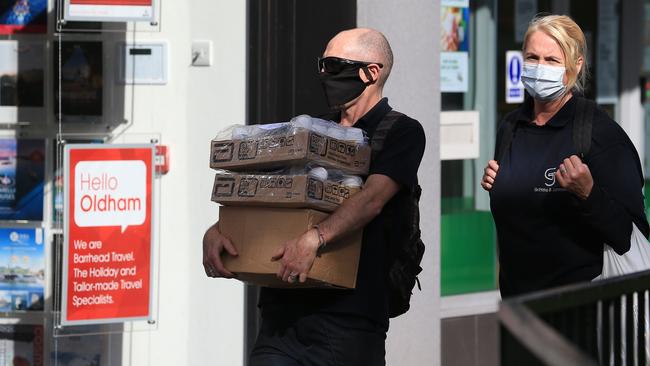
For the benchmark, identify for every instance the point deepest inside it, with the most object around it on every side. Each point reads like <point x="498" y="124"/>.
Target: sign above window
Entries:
<point x="109" y="10"/>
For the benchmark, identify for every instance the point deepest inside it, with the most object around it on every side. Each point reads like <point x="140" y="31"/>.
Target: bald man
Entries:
<point x="332" y="326"/>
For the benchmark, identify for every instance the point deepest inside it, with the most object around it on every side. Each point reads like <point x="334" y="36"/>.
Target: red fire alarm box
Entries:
<point x="162" y="159"/>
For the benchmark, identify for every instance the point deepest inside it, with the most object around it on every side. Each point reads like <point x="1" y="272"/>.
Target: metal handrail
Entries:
<point x="540" y="338"/>
<point x="577" y="324"/>
<point x="584" y="293"/>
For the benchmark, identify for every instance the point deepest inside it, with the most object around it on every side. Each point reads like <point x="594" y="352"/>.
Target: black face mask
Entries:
<point x="342" y="87"/>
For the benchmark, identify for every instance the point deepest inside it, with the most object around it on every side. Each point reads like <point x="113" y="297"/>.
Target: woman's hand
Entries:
<point x="489" y="175"/>
<point x="575" y="177"/>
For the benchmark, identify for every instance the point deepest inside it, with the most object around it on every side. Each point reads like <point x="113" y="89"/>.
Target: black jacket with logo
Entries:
<point x="547" y="236"/>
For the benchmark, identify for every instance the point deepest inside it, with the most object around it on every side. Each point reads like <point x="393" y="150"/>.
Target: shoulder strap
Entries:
<point x="582" y="125"/>
<point x="506" y="138"/>
<point x="378" y="138"/>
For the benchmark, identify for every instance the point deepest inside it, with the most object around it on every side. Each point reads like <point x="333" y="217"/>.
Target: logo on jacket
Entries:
<point x="549" y="174"/>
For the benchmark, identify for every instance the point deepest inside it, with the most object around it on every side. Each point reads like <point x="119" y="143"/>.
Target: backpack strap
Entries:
<point x="378" y="138"/>
<point x="506" y="138"/>
<point x="582" y="126"/>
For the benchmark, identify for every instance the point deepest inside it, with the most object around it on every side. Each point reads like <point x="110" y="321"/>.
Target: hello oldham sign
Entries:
<point x="108" y="237"/>
<point x="110" y="193"/>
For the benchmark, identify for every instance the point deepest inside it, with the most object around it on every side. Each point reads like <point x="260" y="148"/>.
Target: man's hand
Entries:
<point x="575" y="177"/>
<point x="489" y="175"/>
<point x="297" y="256"/>
<point x="213" y="245"/>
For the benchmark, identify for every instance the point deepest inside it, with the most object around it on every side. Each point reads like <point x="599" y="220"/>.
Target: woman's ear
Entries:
<point x="579" y="63"/>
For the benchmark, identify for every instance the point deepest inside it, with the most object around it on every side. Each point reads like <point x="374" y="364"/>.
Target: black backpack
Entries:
<point x="402" y="228"/>
<point x="582" y="125"/>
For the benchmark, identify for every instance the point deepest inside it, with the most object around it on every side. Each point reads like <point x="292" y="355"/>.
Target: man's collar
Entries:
<point x="375" y="114"/>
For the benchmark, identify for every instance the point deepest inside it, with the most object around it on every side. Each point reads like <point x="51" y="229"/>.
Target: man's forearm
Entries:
<point x="359" y="209"/>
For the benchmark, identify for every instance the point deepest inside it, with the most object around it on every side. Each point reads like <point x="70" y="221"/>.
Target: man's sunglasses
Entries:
<point x="334" y="65"/>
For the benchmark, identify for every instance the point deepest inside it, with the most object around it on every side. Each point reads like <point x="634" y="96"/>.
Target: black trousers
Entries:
<point x="319" y="340"/>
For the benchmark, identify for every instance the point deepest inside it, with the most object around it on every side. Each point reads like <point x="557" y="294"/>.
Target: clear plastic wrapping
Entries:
<point x="330" y="129"/>
<point x="303" y="121"/>
<point x="303" y="139"/>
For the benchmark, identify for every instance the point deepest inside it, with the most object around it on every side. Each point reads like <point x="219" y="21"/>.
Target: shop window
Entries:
<point x="468" y="248"/>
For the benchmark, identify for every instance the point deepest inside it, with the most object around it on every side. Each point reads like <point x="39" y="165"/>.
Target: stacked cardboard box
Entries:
<point x="263" y="210"/>
<point x="297" y="146"/>
<point x="280" y="190"/>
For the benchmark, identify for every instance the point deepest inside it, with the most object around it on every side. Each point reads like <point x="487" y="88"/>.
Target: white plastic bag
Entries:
<point x="634" y="260"/>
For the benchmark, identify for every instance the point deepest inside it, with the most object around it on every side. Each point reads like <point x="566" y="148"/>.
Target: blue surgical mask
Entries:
<point x="543" y="82"/>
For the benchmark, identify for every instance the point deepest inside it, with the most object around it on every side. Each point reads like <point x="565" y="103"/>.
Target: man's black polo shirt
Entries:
<point x="399" y="159"/>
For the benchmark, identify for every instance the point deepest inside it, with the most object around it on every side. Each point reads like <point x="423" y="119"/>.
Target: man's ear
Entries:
<point x="369" y="74"/>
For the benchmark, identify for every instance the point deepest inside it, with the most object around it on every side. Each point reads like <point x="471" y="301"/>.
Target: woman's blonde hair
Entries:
<point x="572" y="42"/>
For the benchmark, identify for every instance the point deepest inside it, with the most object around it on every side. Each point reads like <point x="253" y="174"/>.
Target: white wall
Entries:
<point x="413" y="88"/>
<point x="200" y="320"/>
<point x="631" y="114"/>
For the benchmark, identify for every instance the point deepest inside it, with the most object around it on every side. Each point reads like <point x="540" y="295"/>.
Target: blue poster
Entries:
<point x="23" y="16"/>
<point x="22" y="175"/>
<point x="22" y="269"/>
<point x="7" y="172"/>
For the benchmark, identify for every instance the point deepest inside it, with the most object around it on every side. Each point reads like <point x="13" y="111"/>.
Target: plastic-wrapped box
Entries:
<point x="311" y="187"/>
<point x="302" y="140"/>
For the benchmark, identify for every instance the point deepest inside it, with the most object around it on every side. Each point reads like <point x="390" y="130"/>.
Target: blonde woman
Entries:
<point x="553" y="208"/>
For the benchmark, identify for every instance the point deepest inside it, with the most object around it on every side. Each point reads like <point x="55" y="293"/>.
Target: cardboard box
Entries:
<point x="297" y="191"/>
<point x="297" y="147"/>
<point x="257" y="232"/>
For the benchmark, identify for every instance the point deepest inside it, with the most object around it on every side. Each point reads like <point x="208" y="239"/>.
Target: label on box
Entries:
<point x="337" y="193"/>
<point x="250" y="149"/>
<point x="222" y="151"/>
<point x="315" y="189"/>
<point x="224" y="187"/>
<point x="317" y="144"/>
<point x="277" y="181"/>
<point x="342" y="152"/>
<point x="247" y="150"/>
<point x="247" y="187"/>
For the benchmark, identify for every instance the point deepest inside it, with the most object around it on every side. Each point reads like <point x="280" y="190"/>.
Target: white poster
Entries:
<point x="525" y="10"/>
<point x="607" y="53"/>
<point x="455" y="3"/>
<point x="453" y="72"/>
<point x="109" y="10"/>
<point x="514" y="86"/>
